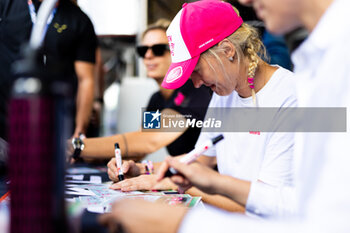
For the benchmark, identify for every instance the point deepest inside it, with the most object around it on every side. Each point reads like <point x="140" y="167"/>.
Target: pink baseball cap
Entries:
<point x="197" y="27"/>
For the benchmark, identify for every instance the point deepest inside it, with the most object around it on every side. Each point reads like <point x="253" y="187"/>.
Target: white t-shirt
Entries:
<point x="250" y="156"/>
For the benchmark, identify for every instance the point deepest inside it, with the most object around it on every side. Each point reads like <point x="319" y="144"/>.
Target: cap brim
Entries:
<point x="179" y="73"/>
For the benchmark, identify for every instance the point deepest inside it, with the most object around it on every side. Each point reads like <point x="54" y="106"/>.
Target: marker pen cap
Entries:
<point x="121" y="177"/>
<point x="217" y="139"/>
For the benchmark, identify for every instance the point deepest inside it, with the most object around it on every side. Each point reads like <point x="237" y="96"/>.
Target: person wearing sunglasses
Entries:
<point x="189" y="101"/>
<point x="158" y="50"/>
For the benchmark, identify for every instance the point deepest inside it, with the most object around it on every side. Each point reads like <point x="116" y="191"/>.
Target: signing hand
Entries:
<point x="194" y="174"/>
<point x="144" y="182"/>
<point x="130" y="169"/>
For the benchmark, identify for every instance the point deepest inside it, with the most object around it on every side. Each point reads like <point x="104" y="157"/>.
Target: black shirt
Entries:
<point x="193" y="105"/>
<point x="70" y="37"/>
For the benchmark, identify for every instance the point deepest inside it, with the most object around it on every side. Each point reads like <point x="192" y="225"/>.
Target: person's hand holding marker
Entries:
<point x="184" y="173"/>
<point x="194" y="174"/>
<point x="135" y="180"/>
<point x="129" y="167"/>
<point x="118" y="159"/>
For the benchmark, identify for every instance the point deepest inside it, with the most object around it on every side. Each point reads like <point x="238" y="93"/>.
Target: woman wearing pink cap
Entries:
<point x="209" y="42"/>
<point x="218" y="50"/>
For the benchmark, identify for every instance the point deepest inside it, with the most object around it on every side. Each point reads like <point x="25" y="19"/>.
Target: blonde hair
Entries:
<point x="161" y="24"/>
<point x="248" y="48"/>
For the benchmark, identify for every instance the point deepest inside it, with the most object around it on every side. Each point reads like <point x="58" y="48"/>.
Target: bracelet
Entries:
<point x="148" y="167"/>
<point x="82" y="136"/>
<point x="144" y="162"/>
<point x="126" y="146"/>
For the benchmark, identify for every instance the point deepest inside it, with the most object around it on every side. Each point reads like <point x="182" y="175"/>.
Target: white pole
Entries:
<point x="142" y="27"/>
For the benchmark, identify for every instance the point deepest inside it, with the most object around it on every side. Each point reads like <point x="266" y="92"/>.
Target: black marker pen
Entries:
<point x="118" y="159"/>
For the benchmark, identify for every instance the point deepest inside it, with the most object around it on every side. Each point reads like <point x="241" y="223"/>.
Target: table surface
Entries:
<point x="88" y="220"/>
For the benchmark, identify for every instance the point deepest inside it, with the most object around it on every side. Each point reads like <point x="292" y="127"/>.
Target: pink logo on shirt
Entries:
<point x="179" y="99"/>
<point x="255" y="132"/>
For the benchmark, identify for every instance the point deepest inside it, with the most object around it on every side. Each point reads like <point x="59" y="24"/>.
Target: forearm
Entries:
<point x="84" y="104"/>
<point x="133" y="145"/>
<point x="149" y="142"/>
<point x="268" y="200"/>
<point x="235" y="189"/>
<point x="85" y="94"/>
<point x="99" y="75"/>
<point x="217" y="200"/>
<point x="101" y="147"/>
<point x="209" y="161"/>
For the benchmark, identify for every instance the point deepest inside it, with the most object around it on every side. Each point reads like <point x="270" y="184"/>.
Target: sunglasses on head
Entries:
<point x="157" y="49"/>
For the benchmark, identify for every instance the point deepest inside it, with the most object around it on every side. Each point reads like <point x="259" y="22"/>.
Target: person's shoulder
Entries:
<point x="154" y="100"/>
<point x="156" y="95"/>
<point x="79" y="21"/>
<point x="284" y="72"/>
<point x="75" y="10"/>
<point x="188" y="89"/>
<point x="283" y="78"/>
<point x="282" y="88"/>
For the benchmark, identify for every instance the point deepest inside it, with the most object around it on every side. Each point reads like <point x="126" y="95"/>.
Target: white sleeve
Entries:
<point x="277" y="166"/>
<point x="215" y="220"/>
<point x="266" y="200"/>
<point x="209" y="219"/>
<point x="273" y="194"/>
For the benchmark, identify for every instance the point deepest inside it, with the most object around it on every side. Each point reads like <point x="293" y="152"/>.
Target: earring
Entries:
<point x="230" y="58"/>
